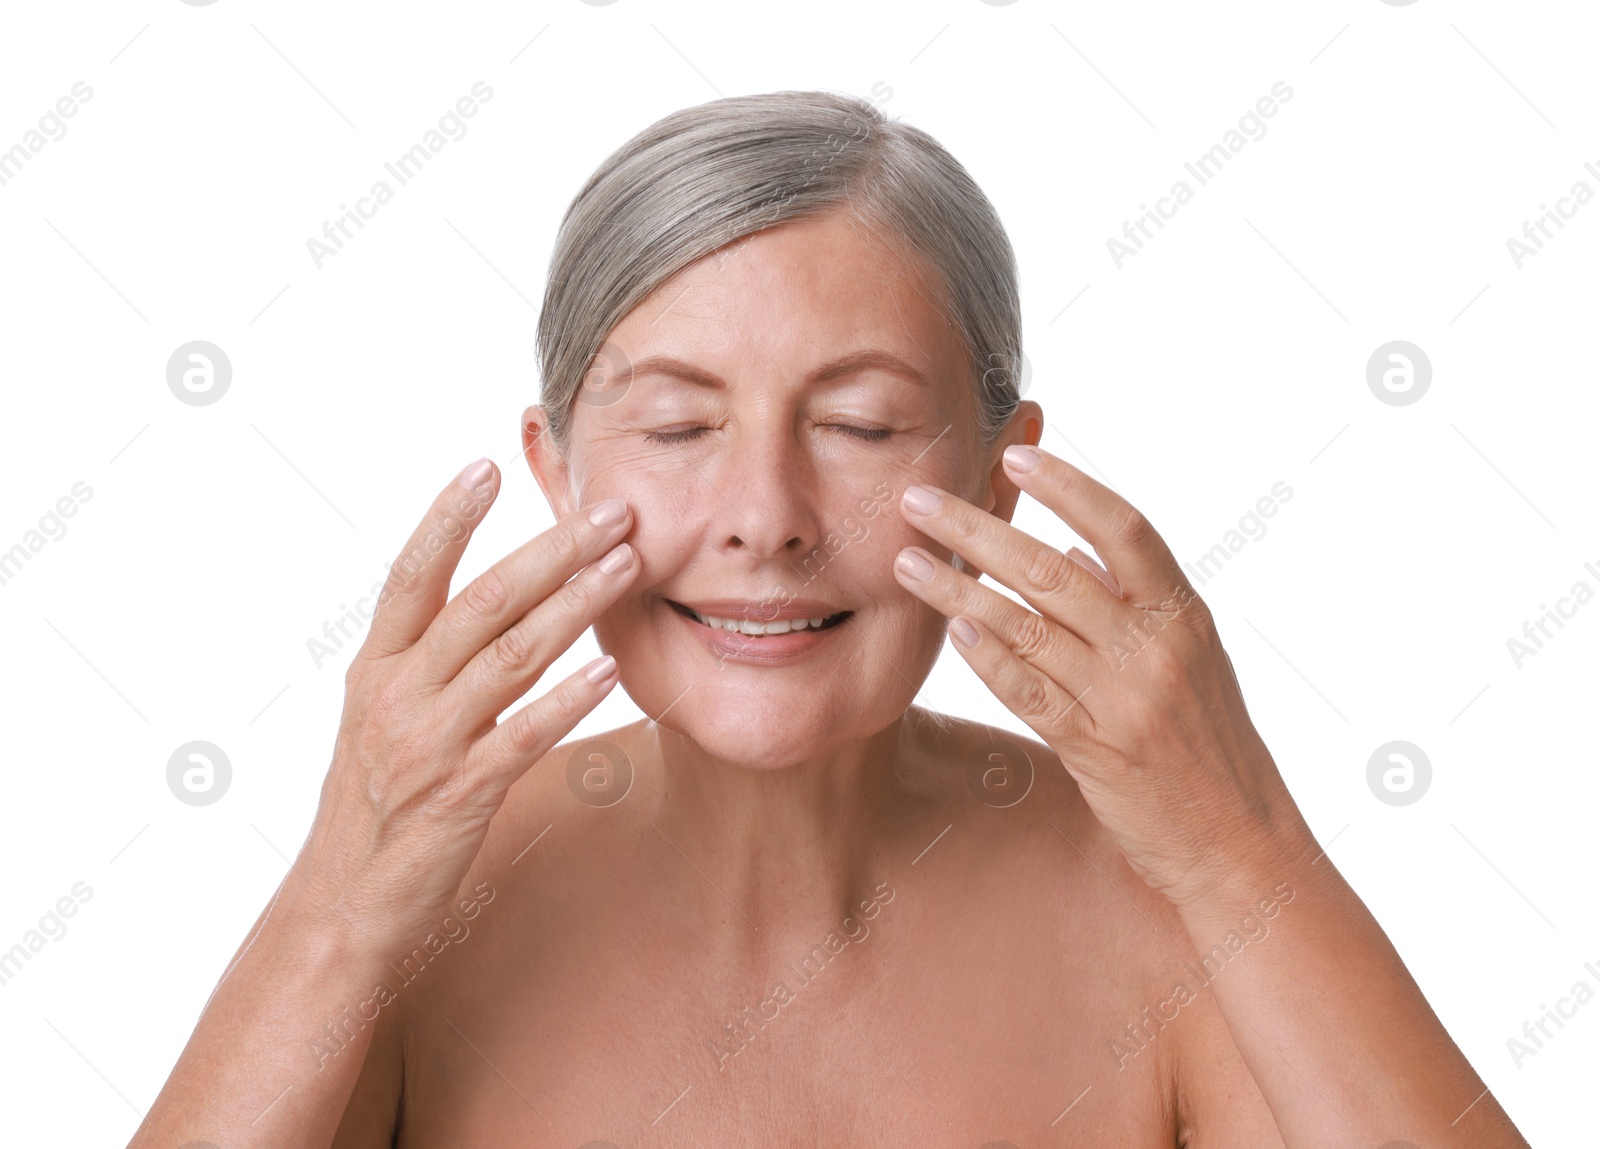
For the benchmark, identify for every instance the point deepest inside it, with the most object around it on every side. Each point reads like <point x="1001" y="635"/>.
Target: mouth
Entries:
<point x="760" y="629"/>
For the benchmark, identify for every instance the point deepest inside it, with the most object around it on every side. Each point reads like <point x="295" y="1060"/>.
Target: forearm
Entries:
<point x="276" y="1052"/>
<point x="1336" y="1033"/>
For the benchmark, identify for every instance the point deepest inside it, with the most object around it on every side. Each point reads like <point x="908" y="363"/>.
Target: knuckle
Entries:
<point x="1046" y="569"/>
<point x="1032" y="638"/>
<point x="526" y="731"/>
<point x="1035" y="702"/>
<point x="962" y="523"/>
<point x="570" y="544"/>
<point x="486" y="596"/>
<point x="1166" y="662"/>
<point x="1132" y="529"/>
<point x="387" y="702"/>
<point x="1195" y="609"/>
<point x="355" y="674"/>
<point x="516" y="648"/>
<point x="579" y="595"/>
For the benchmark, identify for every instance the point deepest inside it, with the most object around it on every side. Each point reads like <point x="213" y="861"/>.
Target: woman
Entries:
<point x="782" y="435"/>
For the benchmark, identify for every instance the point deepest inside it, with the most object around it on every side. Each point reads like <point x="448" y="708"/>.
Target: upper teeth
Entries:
<point x="747" y="626"/>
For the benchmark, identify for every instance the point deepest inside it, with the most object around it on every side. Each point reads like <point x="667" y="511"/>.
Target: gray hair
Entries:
<point x="706" y="176"/>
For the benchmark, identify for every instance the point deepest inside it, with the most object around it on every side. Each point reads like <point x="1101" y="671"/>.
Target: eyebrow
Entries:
<point x="865" y="360"/>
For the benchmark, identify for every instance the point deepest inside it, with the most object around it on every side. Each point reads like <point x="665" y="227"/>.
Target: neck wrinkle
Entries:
<point x="795" y="850"/>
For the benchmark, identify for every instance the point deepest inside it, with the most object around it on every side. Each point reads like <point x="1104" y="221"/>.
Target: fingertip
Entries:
<point x="1022" y="458"/>
<point x="963" y="632"/>
<point x="616" y="559"/>
<point x="609" y="512"/>
<point x="476" y="474"/>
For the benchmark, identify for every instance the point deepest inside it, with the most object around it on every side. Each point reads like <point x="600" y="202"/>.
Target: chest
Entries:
<point x="912" y="1032"/>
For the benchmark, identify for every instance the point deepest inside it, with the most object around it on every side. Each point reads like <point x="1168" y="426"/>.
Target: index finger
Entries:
<point x="502" y="595"/>
<point x="419" y="578"/>
<point x="1134" y="553"/>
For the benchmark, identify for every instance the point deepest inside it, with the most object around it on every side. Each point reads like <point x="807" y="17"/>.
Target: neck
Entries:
<point x="783" y="853"/>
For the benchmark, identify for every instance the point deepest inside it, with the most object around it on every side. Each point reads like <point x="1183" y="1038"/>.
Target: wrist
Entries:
<point x="313" y="912"/>
<point x="1251" y="874"/>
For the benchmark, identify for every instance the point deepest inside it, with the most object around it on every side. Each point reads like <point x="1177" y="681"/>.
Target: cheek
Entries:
<point x="666" y="507"/>
<point x="886" y="536"/>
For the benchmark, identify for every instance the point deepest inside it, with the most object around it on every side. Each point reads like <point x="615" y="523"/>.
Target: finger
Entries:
<point x="419" y="579"/>
<point x="1133" y="551"/>
<point x="503" y="755"/>
<point x="1053" y="649"/>
<point x="493" y="602"/>
<point x="1059" y="589"/>
<point x="502" y="671"/>
<point x="1087" y="562"/>
<point x="1055" y="711"/>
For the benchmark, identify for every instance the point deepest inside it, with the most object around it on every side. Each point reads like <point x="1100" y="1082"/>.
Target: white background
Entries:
<point x="1227" y="356"/>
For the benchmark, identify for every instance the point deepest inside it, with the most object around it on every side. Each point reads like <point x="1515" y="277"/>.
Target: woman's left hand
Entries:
<point x="1120" y="672"/>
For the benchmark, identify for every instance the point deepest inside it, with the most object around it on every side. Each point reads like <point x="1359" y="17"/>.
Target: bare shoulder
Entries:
<point x="1028" y="815"/>
<point x="1016" y="792"/>
<point x="580" y="775"/>
<point x="1171" y="1022"/>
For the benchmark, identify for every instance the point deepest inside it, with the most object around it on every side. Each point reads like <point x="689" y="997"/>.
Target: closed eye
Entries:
<point x="674" y="436"/>
<point x="869" y="434"/>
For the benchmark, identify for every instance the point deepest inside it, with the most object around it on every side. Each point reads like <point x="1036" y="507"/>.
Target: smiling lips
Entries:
<point x="762" y="620"/>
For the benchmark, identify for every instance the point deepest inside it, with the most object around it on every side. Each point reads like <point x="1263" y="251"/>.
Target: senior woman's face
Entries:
<point x="784" y="392"/>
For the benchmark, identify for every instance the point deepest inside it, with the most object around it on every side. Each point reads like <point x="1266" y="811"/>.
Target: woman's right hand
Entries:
<point x="420" y="764"/>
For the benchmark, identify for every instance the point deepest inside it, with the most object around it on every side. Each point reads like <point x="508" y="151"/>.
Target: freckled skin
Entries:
<point x="970" y="964"/>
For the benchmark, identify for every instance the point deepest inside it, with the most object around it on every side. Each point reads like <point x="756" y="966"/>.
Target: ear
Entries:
<point x="999" y="494"/>
<point x="1026" y="427"/>
<point x="548" y="467"/>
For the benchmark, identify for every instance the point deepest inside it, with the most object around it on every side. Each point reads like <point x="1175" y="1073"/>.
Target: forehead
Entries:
<point x="799" y="294"/>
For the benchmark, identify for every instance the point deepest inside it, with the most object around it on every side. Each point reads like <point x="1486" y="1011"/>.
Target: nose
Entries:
<point x="767" y="484"/>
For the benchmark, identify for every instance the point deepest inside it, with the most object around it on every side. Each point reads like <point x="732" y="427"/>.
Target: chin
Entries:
<point x="763" y="703"/>
<point x="753" y="748"/>
<point x="759" y="727"/>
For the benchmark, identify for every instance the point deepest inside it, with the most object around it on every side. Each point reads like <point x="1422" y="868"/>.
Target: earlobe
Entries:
<point x="1028" y="418"/>
<point x="548" y="467"/>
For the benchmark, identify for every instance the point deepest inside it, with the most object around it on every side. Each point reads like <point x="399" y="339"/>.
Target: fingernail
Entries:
<point x="965" y="633"/>
<point x="920" y="500"/>
<point x="913" y="565"/>
<point x="475" y="473"/>
<point x="609" y="512"/>
<point x="600" y="669"/>
<point x="616" y="560"/>
<point x="1020" y="457"/>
